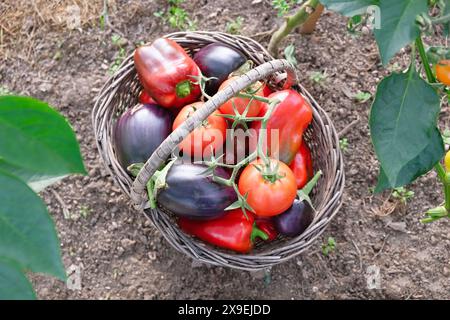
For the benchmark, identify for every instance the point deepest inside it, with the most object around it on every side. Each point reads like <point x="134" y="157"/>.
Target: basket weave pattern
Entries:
<point x="122" y="92"/>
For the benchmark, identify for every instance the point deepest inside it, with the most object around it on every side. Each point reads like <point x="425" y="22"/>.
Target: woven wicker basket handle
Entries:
<point x="138" y="190"/>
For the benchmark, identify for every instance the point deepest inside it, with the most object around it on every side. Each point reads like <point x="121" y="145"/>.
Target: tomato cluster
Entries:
<point x="225" y="203"/>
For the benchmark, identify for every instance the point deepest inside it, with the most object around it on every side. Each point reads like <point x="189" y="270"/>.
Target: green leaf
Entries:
<point x="398" y="26"/>
<point x="289" y="54"/>
<point x="349" y="8"/>
<point x="436" y="54"/>
<point x="403" y="123"/>
<point x="135" y="168"/>
<point x="14" y="285"/>
<point x="446" y="12"/>
<point x="27" y="233"/>
<point x="36" y="142"/>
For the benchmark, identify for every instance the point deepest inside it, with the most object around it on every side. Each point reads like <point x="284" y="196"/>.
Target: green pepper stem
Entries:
<point x="426" y="64"/>
<point x="183" y="89"/>
<point x="256" y="232"/>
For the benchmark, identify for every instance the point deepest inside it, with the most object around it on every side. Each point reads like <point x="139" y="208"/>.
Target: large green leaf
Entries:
<point x="36" y="142"/>
<point x="27" y="233"/>
<point x="398" y="25"/>
<point x="403" y="123"/>
<point x="447" y="12"/>
<point x="349" y="8"/>
<point x="14" y="285"/>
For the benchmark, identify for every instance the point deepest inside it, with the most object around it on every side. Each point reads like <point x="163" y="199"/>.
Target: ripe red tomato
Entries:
<point x="211" y="134"/>
<point x="241" y="103"/>
<point x="302" y="166"/>
<point x="443" y="72"/>
<point x="267" y="196"/>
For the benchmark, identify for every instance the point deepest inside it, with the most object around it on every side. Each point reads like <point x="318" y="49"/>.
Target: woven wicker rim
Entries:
<point x="121" y="91"/>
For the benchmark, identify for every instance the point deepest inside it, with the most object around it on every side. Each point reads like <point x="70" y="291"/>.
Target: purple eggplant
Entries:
<point x="191" y="193"/>
<point x="294" y="220"/>
<point x="139" y="131"/>
<point x="218" y="60"/>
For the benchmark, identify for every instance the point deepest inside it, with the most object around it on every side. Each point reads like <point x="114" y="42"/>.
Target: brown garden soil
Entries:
<point x="123" y="257"/>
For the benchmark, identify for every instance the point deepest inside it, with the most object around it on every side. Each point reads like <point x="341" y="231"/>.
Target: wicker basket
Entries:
<point x="122" y="91"/>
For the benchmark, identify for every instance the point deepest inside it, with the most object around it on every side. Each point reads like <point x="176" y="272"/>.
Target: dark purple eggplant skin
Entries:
<point x="294" y="220"/>
<point x="139" y="131"/>
<point x="218" y="60"/>
<point x="191" y="193"/>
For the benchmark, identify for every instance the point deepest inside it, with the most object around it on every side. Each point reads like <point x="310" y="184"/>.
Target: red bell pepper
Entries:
<point x="167" y="73"/>
<point x="145" y="98"/>
<point x="267" y="226"/>
<point x="266" y="90"/>
<point x="302" y="166"/>
<point x="290" y="117"/>
<point x="233" y="231"/>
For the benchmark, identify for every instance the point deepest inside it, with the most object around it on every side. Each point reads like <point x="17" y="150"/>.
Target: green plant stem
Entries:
<point x="254" y="97"/>
<point x="426" y="64"/>
<point x="290" y="23"/>
<point x="447" y="195"/>
<point x="231" y="182"/>
<point x="443" y="19"/>
<point x="439" y="168"/>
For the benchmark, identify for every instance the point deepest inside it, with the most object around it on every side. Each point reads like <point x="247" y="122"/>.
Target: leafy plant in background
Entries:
<point x="402" y="194"/>
<point x="404" y="114"/>
<point x="403" y="118"/>
<point x="329" y="246"/>
<point x="176" y="16"/>
<point x="37" y="148"/>
<point x="121" y="55"/>
<point x="235" y="26"/>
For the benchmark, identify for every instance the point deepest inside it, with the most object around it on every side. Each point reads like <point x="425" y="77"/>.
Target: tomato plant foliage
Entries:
<point x="37" y="146"/>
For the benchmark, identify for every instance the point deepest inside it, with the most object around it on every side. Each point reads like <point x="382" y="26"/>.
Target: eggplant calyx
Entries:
<point x="303" y="194"/>
<point x="158" y="182"/>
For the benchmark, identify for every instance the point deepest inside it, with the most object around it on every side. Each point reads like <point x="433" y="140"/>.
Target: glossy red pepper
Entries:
<point x="290" y="117"/>
<point x="166" y="72"/>
<point x="266" y="90"/>
<point x="267" y="226"/>
<point x="145" y="98"/>
<point x="233" y="231"/>
<point x="302" y="166"/>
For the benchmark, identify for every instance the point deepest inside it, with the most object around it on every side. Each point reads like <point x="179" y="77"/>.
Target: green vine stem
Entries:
<point x="259" y="153"/>
<point x="443" y="19"/>
<point x="426" y="64"/>
<point x="290" y="23"/>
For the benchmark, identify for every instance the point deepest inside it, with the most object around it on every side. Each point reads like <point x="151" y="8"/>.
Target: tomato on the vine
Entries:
<point x="241" y="103"/>
<point x="443" y="72"/>
<point x="270" y="188"/>
<point x="207" y="138"/>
